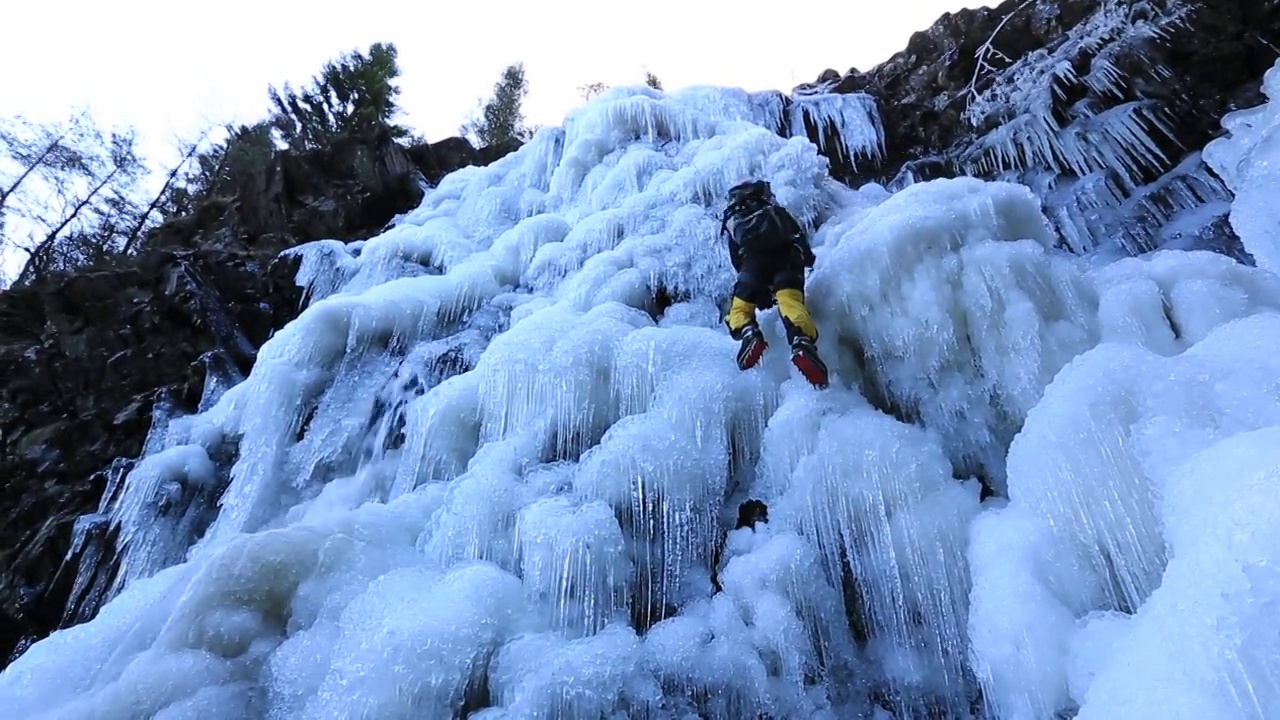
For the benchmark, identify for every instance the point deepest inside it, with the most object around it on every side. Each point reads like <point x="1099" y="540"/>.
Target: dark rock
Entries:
<point x="345" y="192"/>
<point x="435" y="160"/>
<point x="1207" y="60"/>
<point x="83" y="362"/>
<point x="751" y="512"/>
<point x="87" y="357"/>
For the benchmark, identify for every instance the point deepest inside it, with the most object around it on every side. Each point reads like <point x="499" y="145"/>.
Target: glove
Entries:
<point x="806" y="256"/>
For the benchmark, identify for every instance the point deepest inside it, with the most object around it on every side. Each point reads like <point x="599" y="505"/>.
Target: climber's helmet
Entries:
<point x="751" y="192"/>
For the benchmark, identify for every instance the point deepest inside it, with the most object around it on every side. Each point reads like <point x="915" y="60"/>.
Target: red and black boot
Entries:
<point x="804" y="355"/>
<point x="752" y="348"/>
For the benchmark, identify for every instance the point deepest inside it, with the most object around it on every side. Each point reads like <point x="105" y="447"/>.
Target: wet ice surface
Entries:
<point x="481" y="474"/>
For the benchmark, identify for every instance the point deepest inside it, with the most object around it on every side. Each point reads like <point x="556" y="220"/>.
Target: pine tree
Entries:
<point x="652" y="80"/>
<point x="353" y="96"/>
<point x="502" y="118"/>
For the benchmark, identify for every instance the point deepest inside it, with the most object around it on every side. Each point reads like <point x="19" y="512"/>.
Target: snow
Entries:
<point x="486" y="473"/>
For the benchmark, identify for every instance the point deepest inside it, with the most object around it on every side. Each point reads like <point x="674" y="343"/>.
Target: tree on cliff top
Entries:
<point x="501" y="118"/>
<point x="72" y="195"/>
<point x="596" y="89"/>
<point x="592" y="90"/>
<point x="355" y="95"/>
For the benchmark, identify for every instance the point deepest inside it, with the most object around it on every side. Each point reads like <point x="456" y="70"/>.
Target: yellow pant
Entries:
<point x="795" y="315"/>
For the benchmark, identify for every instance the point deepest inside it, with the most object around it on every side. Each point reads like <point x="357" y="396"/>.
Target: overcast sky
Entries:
<point x="166" y="67"/>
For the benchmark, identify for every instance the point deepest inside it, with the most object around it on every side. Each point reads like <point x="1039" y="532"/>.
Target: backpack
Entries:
<point x="762" y="227"/>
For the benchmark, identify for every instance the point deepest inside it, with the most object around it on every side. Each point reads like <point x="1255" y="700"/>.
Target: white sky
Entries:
<point x="165" y="69"/>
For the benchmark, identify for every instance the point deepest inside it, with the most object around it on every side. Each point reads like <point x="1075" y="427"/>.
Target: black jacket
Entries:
<point x="766" y="228"/>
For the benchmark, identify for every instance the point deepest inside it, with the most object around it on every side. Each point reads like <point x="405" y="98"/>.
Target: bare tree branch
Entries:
<point x="31" y="168"/>
<point x="985" y="51"/>
<point x="134" y="234"/>
<point x="591" y="90"/>
<point x="40" y="253"/>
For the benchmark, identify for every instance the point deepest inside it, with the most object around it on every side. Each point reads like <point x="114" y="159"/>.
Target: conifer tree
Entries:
<point x="355" y="95"/>
<point x="501" y="118"/>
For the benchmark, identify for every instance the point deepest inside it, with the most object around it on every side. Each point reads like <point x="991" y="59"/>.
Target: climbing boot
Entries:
<point x="753" y="346"/>
<point x="804" y="355"/>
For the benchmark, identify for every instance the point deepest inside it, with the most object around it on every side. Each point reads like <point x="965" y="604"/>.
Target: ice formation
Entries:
<point x="1025" y="95"/>
<point x="1062" y="115"/>
<point x="493" y="468"/>
<point x="846" y="125"/>
<point x="1245" y="160"/>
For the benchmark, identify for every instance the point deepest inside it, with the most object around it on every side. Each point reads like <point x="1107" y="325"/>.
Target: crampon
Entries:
<point x="805" y="357"/>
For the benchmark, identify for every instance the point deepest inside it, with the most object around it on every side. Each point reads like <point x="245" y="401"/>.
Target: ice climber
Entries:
<point x="770" y="251"/>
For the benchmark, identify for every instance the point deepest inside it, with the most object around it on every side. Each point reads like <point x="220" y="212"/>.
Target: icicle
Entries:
<point x="1243" y="159"/>
<point x="1030" y="84"/>
<point x="1113" y="150"/>
<point x="853" y="118"/>
<point x="220" y="375"/>
<point x="667" y="488"/>
<point x="442" y="432"/>
<point x="573" y="559"/>
<point x="159" y="509"/>
<point x="638" y="117"/>
<point x="1096" y="211"/>
<point x="885" y="526"/>
<point x="717" y="103"/>
<point x="543" y="154"/>
<point x="770" y="108"/>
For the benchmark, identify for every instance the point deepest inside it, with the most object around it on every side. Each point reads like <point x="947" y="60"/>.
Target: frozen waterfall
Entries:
<point x="494" y="468"/>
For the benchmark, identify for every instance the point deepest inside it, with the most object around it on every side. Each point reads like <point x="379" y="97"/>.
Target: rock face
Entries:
<point x="345" y="192"/>
<point x="85" y="363"/>
<point x="441" y="158"/>
<point x="1101" y="106"/>
<point x="87" y="360"/>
